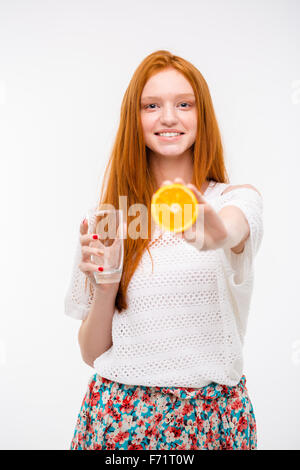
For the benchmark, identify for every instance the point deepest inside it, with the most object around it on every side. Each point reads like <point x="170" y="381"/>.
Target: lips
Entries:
<point x="166" y="138"/>
<point x="171" y="131"/>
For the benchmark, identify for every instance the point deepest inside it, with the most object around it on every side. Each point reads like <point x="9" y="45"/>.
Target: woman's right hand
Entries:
<point x="86" y="265"/>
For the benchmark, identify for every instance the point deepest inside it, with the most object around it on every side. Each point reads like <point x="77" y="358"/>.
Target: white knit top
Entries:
<point x="186" y="321"/>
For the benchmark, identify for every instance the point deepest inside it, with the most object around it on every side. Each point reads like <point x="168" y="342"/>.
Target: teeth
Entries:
<point x="169" y="134"/>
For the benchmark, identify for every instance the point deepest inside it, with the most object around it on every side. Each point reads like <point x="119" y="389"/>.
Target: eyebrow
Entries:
<point x="181" y="95"/>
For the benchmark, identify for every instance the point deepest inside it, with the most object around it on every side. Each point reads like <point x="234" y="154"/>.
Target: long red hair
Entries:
<point x="128" y="172"/>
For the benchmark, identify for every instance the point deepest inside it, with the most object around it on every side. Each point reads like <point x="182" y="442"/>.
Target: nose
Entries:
<point x="168" y="115"/>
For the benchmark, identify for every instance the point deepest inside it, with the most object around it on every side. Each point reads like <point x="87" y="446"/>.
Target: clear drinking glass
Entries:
<point x="110" y="230"/>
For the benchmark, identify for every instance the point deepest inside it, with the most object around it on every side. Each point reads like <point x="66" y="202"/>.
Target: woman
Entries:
<point x="166" y="342"/>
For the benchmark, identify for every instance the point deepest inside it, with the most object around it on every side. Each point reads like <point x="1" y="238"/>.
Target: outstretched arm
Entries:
<point x="236" y="223"/>
<point x="227" y="228"/>
<point x="237" y="228"/>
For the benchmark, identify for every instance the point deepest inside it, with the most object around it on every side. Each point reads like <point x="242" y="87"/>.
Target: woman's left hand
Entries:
<point x="208" y="232"/>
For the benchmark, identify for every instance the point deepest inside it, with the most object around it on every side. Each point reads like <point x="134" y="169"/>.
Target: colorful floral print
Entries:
<point x="136" y="417"/>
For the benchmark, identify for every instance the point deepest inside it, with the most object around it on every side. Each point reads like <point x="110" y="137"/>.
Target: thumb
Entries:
<point x="84" y="226"/>
<point x="199" y="196"/>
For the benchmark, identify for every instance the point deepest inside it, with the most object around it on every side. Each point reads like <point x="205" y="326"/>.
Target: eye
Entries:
<point x="152" y="104"/>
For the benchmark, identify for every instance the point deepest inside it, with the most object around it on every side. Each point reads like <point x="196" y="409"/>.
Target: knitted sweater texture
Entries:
<point x="186" y="318"/>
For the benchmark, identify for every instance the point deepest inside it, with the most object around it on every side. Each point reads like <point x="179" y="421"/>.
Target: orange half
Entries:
<point x="174" y="207"/>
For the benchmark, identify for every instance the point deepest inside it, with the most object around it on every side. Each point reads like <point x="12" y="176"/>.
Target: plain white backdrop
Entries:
<point x="64" y="67"/>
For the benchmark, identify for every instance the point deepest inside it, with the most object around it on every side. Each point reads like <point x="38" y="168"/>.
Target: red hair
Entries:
<point x="128" y="172"/>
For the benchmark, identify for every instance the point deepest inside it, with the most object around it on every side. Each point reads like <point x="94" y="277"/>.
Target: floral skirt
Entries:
<point x="137" y="417"/>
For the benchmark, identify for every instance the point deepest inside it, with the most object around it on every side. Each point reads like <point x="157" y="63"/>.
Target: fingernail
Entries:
<point x="84" y="221"/>
<point x="95" y="237"/>
<point x="100" y="268"/>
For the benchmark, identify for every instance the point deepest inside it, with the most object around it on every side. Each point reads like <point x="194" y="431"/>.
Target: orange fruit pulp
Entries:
<point x="174" y="207"/>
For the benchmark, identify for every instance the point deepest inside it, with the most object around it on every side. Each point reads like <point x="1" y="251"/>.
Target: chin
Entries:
<point x="168" y="149"/>
<point x="170" y="154"/>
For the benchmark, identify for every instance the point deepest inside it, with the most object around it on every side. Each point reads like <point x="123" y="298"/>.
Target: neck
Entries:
<point x="171" y="167"/>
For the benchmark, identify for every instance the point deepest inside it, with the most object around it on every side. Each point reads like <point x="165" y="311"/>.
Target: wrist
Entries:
<point x="107" y="289"/>
<point x="233" y="228"/>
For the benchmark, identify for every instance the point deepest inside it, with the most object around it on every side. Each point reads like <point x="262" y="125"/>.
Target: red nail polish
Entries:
<point x="100" y="268"/>
<point x="95" y="237"/>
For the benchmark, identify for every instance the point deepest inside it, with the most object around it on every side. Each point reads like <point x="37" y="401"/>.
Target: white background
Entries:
<point x="64" y="67"/>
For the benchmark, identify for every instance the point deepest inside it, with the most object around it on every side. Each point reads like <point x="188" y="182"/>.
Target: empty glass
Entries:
<point x="111" y="242"/>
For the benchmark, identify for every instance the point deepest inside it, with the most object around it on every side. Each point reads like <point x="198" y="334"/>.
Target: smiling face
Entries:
<point x="168" y="104"/>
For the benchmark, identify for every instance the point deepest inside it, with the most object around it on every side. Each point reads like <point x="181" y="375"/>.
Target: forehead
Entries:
<point x="167" y="84"/>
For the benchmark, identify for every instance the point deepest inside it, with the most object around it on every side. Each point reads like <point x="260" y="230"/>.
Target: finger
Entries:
<point x="166" y="182"/>
<point x="84" y="227"/>
<point x="179" y="180"/>
<point x="87" y="238"/>
<point x="197" y="193"/>
<point x="87" y="268"/>
<point x="87" y="251"/>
